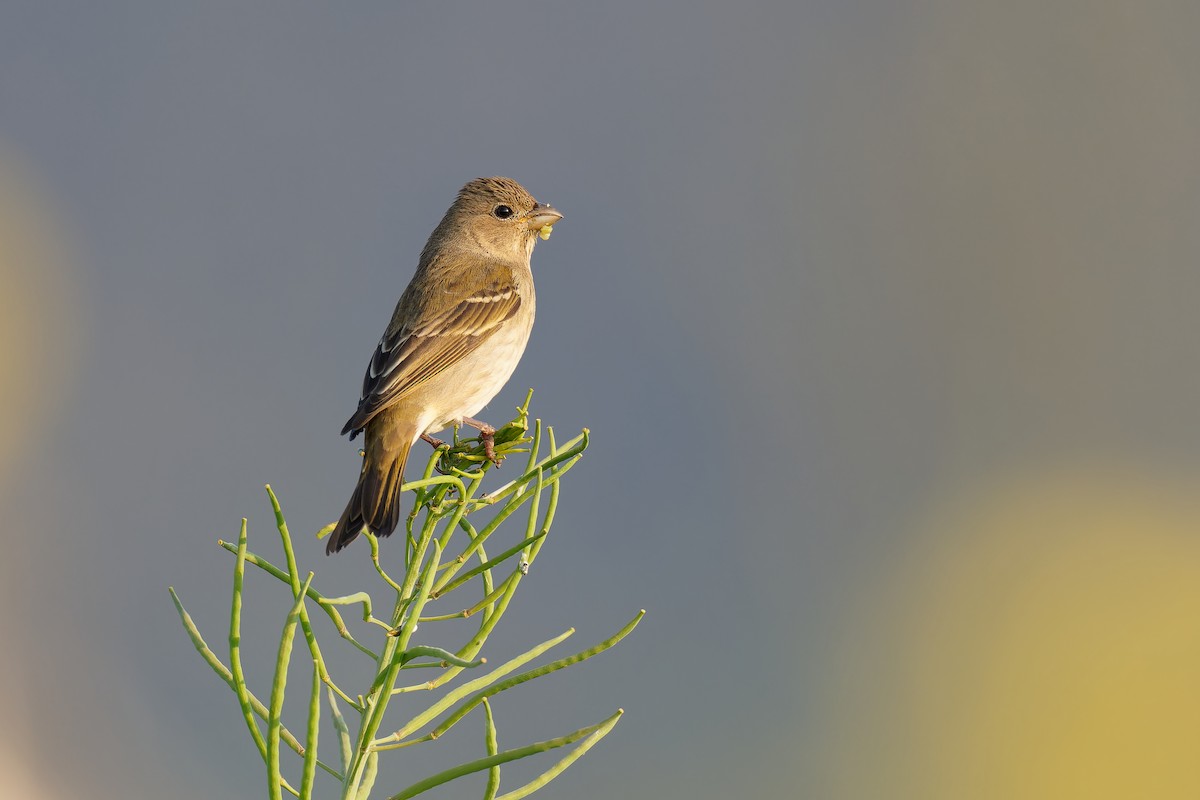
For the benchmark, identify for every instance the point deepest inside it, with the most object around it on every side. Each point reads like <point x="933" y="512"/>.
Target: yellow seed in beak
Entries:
<point x="544" y="232"/>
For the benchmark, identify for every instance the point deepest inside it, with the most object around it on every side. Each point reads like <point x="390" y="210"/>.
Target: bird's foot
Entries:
<point x="487" y="435"/>
<point x="434" y="443"/>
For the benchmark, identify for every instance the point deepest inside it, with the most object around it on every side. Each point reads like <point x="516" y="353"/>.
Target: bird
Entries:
<point x="454" y="340"/>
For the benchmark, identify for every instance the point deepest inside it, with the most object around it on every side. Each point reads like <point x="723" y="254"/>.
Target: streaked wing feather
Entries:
<point x="412" y="355"/>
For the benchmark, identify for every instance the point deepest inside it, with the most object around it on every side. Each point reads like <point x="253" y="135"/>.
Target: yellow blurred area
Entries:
<point x="39" y="314"/>
<point x="40" y="332"/>
<point x="18" y="779"/>
<point x="1042" y="641"/>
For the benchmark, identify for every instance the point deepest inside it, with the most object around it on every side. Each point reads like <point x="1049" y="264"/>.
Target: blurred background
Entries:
<point x="882" y="315"/>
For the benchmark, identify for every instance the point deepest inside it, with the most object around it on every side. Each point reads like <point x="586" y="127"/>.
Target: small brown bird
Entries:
<point x="454" y="340"/>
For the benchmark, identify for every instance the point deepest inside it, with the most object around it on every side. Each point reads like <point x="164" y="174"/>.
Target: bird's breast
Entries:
<point x="465" y="388"/>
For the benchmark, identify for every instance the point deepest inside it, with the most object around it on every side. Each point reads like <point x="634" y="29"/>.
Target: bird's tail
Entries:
<point x="376" y="499"/>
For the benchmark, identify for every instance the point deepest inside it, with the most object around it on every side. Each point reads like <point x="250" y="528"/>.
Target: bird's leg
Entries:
<point x="487" y="435"/>
<point x="436" y="444"/>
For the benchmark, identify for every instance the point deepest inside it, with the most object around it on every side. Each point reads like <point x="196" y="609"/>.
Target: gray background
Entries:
<point x="849" y="294"/>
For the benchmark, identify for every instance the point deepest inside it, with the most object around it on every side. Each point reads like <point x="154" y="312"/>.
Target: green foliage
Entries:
<point x="439" y="524"/>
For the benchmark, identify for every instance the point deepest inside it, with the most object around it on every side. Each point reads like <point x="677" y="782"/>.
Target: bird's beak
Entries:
<point x="541" y="217"/>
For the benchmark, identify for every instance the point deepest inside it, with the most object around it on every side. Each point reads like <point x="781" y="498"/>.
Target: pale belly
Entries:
<point x="465" y="388"/>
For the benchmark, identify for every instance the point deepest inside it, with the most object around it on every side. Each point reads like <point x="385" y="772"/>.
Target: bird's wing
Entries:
<point x="419" y="349"/>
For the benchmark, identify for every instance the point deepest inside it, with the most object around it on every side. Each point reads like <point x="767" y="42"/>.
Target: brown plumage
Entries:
<point x="454" y="340"/>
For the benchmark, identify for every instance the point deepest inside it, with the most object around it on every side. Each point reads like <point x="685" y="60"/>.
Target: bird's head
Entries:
<point x="499" y="216"/>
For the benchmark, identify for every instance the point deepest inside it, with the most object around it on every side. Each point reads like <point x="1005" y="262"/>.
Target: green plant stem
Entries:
<point x="235" y="645"/>
<point x="369" y="774"/>
<point x="504" y="757"/>
<point x="570" y="454"/>
<point x="298" y="593"/>
<point x="374" y="541"/>
<point x="493" y="748"/>
<point x="487" y="600"/>
<point x="226" y="675"/>
<point x="324" y="602"/>
<point x="487" y="565"/>
<point x="278" y="686"/>
<point x="390" y="661"/>
<point x="442" y="503"/>
<point x="388" y="743"/>
<point x="529" y="675"/>
<point x="541" y="780"/>
<point x="342" y="729"/>
<point x="477" y="543"/>
<point x="310" y="739"/>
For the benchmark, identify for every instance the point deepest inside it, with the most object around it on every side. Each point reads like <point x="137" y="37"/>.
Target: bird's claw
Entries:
<point x="489" y="445"/>
<point x="487" y="436"/>
<point x="432" y="442"/>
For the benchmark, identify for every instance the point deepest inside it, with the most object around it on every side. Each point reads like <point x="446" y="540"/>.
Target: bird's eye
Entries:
<point x="503" y="212"/>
